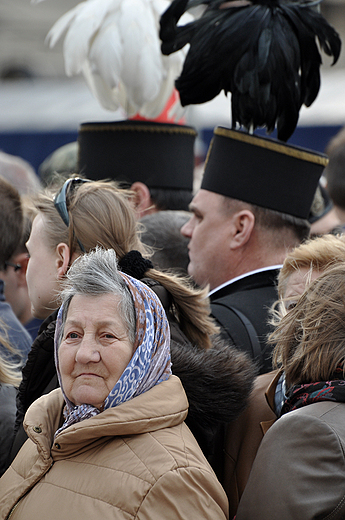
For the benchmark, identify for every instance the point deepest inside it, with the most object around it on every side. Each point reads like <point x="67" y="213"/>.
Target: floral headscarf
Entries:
<point x="149" y="365"/>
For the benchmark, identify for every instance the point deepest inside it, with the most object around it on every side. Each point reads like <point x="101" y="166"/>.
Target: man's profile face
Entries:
<point x="209" y="231"/>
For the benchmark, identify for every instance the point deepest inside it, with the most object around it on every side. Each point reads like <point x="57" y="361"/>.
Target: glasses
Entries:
<point x="15" y="266"/>
<point x="60" y="201"/>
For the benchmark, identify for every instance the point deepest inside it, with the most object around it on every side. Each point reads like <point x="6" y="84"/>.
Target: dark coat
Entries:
<point x="217" y="381"/>
<point x="252" y="296"/>
<point x="7" y="417"/>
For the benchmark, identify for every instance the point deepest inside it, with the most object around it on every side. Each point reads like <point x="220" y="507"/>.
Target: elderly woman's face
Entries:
<point x="95" y="349"/>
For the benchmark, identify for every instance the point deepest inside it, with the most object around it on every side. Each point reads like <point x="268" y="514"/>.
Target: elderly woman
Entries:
<point x="299" y="470"/>
<point x="111" y="443"/>
<point x="82" y="215"/>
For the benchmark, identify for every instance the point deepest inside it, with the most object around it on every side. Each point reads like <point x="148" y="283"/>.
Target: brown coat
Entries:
<point x="243" y="438"/>
<point x="136" y="461"/>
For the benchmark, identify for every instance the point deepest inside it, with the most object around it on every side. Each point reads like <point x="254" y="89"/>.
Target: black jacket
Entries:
<point x="7" y="418"/>
<point x="241" y="309"/>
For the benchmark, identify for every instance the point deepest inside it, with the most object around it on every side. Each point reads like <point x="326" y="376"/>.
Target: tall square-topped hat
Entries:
<point x="263" y="171"/>
<point x="161" y="155"/>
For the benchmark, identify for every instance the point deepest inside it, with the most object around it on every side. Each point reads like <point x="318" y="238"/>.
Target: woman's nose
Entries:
<point x="88" y="351"/>
<point x="186" y="229"/>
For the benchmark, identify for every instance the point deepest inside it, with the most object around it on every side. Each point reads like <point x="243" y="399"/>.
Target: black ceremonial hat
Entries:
<point x="161" y="155"/>
<point x="263" y="171"/>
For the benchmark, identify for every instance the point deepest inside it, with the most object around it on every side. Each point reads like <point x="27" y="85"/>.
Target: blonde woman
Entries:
<point x="299" y="470"/>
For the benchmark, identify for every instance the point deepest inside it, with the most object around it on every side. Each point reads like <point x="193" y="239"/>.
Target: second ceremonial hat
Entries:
<point x="263" y="171"/>
<point x="161" y="155"/>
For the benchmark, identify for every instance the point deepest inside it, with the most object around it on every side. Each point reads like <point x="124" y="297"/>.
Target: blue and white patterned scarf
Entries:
<point x="149" y="365"/>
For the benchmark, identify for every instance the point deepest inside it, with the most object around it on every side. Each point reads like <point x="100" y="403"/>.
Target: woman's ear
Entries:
<point x="62" y="259"/>
<point x="142" y="199"/>
<point x="244" y="222"/>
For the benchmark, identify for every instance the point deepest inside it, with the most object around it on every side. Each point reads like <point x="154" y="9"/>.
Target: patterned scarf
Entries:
<point x="302" y="395"/>
<point x="149" y="365"/>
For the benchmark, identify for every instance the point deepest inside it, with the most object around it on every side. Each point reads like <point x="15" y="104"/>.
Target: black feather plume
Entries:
<point x="265" y="52"/>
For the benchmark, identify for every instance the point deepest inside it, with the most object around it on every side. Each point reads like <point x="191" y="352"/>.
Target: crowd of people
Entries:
<point x="182" y="357"/>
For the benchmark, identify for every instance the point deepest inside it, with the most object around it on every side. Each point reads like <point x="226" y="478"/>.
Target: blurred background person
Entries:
<point x="335" y="174"/>
<point x="162" y="232"/>
<point x="11" y="231"/>
<point x="62" y="161"/>
<point x="19" y="173"/>
<point x="15" y="288"/>
<point x="323" y="217"/>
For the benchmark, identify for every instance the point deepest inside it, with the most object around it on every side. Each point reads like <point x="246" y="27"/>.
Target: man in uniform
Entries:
<point x="155" y="160"/>
<point x="252" y="208"/>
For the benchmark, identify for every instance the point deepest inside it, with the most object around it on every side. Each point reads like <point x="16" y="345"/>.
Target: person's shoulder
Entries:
<point x="327" y="415"/>
<point x="318" y="418"/>
<point x="184" y="478"/>
<point x="262" y="283"/>
<point x="299" y="469"/>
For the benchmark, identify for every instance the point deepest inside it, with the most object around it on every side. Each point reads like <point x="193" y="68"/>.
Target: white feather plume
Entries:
<point x="116" y="46"/>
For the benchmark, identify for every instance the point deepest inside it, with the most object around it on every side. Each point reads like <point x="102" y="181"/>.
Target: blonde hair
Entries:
<point x="9" y="373"/>
<point x="101" y="214"/>
<point x="310" y="339"/>
<point x="315" y="254"/>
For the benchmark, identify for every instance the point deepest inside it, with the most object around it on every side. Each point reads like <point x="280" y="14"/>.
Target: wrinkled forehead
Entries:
<point x="299" y="280"/>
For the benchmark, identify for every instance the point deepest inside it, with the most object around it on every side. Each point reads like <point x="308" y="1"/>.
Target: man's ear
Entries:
<point x="142" y="199"/>
<point x="62" y="259"/>
<point x="244" y="222"/>
<point x="22" y="260"/>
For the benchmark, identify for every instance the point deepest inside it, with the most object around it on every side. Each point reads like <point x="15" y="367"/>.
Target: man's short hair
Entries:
<point x="271" y="220"/>
<point x="274" y="220"/>
<point x="162" y="233"/>
<point x="11" y="222"/>
<point x="169" y="198"/>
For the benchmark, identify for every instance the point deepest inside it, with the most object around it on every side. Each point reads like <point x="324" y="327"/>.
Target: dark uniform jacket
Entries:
<point x="241" y="309"/>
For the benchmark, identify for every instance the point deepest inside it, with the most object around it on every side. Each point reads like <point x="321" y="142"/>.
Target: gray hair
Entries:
<point x="94" y="274"/>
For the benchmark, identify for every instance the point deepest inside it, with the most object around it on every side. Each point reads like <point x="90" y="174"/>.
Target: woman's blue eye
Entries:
<point x="72" y="335"/>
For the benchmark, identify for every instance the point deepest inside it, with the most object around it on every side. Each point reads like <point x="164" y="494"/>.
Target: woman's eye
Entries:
<point x="72" y="335"/>
<point x="108" y="335"/>
<point x="290" y="305"/>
